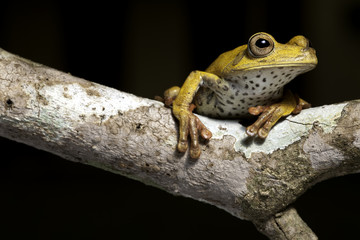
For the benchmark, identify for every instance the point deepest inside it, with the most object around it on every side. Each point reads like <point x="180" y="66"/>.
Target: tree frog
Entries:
<point x="248" y="80"/>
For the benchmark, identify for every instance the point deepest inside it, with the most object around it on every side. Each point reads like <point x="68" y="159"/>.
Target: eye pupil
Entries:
<point x="262" y="43"/>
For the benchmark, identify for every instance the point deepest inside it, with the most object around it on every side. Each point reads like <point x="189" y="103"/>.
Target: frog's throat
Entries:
<point x="307" y="66"/>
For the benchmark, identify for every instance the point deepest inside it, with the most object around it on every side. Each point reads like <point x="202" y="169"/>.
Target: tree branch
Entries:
<point x="254" y="180"/>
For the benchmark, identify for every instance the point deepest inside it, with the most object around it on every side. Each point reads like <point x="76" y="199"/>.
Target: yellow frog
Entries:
<point x="248" y="80"/>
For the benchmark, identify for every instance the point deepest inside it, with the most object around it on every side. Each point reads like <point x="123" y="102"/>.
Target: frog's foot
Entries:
<point x="301" y="104"/>
<point x="271" y="114"/>
<point x="191" y="125"/>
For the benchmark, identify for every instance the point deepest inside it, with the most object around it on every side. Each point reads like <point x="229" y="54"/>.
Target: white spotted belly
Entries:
<point x="240" y="91"/>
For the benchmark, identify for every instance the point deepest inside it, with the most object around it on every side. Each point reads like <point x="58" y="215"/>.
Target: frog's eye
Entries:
<point x="260" y="45"/>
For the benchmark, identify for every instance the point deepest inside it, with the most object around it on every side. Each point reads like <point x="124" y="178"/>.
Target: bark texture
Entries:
<point x="254" y="180"/>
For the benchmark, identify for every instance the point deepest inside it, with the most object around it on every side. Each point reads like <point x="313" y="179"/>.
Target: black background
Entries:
<point x="143" y="47"/>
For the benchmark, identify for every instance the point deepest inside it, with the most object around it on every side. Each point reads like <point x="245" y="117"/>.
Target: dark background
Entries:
<point x="143" y="47"/>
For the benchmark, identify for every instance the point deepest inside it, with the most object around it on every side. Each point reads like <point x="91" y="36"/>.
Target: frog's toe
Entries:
<point x="252" y="130"/>
<point x="204" y="132"/>
<point x="256" y="110"/>
<point x="195" y="127"/>
<point x="263" y="133"/>
<point x="195" y="152"/>
<point x="301" y="104"/>
<point x="182" y="146"/>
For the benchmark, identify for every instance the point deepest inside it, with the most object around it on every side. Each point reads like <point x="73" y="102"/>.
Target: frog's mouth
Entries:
<point x="305" y="59"/>
<point x="304" y="66"/>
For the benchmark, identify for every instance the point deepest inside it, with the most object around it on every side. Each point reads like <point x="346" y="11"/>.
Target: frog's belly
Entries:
<point x="232" y="105"/>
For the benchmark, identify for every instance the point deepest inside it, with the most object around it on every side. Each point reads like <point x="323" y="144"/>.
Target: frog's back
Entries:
<point x="221" y="63"/>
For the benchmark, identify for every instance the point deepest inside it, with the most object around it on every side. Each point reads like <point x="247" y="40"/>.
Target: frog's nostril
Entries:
<point x="307" y="46"/>
<point x="310" y="44"/>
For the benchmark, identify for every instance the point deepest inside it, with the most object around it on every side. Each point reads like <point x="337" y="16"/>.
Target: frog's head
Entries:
<point x="263" y="51"/>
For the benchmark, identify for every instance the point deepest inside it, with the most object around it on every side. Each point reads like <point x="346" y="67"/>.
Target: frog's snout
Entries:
<point x="307" y="52"/>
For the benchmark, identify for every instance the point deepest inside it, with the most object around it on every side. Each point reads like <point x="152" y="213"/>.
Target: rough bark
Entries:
<point x="254" y="180"/>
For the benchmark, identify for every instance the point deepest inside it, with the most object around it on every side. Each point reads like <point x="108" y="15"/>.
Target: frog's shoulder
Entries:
<point x="226" y="58"/>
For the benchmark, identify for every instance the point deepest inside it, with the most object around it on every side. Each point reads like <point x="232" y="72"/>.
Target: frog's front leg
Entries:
<point x="290" y="104"/>
<point x="182" y="110"/>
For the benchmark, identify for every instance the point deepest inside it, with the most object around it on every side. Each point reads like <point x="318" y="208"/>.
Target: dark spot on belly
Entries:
<point x="221" y="103"/>
<point x="257" y="85"/>
<point x="258" y="76"/>
<point x="264" y="79"/>
<point x="229" y="102"/>
<point x="245" y="94"/>
<point x="263" y="88"/>
<point x="275" y="76"/>
<point x="225" y="88"/>
<point x="245" y="77"/>
<point x="251" y="82"/>
<point x="209" y="97"/>
<point x="220" y="108"/>
<point x="242" y="101"/>
<point x="246" y="86"/>
<point x="232" y="97"/>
